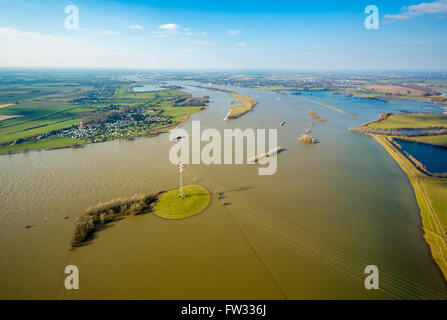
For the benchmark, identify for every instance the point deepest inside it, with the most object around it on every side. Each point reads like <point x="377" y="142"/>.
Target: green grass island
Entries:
<point x="167" y="205"/>
<point x="170" y="206"/>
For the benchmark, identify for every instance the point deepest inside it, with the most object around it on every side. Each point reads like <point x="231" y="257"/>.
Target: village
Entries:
<point x="129" y="125"/>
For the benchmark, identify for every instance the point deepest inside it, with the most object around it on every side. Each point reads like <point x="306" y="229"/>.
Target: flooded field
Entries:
<point x="433" y="157"/>
<point x="306" y="232"/>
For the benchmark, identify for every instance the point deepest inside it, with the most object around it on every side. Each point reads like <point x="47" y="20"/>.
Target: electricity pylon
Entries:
<point x="180" y="169"/>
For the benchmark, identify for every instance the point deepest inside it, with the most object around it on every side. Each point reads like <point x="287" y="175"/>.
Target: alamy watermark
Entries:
<point x="72" y="280"/>
<point x="372" y="20"/>
<point x="220" y="151"/>
<point x="372" y="280"/>
<point x="72" y="20"/>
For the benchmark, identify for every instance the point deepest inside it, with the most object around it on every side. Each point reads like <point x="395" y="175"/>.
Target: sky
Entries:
<point x="187" y="35"/>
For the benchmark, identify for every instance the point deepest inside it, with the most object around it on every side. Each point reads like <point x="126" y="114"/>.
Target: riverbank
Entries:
<point x="430" y="195"/>
<point x="157" y="109"/>
<point x="240" y="106"/>
<point x="436" y="140"/>
<point x="396" y="121"/>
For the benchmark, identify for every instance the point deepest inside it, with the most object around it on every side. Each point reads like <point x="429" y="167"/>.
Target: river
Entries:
<point x="306" y="232"/>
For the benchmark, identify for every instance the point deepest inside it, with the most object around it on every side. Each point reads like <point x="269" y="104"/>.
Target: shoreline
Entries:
<point x="247" y="105"/>
<point x="150" y="133"/>
<point x="434" y="235"/>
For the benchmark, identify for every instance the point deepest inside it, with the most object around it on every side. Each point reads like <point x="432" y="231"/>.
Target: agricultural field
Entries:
<point x="59" y="111"/>
<point x="440" y="140"/>
<point x="396" y="90"/>
<point x="411" y="121"/>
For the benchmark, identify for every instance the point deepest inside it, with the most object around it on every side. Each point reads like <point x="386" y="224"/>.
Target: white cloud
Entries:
<point x="436" y="7"/>
<point x="165" y="29"/>
<point x="171" y="28"/>
<point x="187" y="50"/>
<point x="240" y="45"/>
<point x="10" y="33"/>
<point x="233" y="32"/>
<point x="168" y="27"/>
<point x="137" y="26"/>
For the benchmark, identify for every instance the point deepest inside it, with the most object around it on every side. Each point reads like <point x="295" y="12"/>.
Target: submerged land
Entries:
<point x="165" y="204"/>
<point x="430" y="188"/>
<point x="392" y="87"/>
<point x="269" y="230"/>
<point x="431" y="195"/>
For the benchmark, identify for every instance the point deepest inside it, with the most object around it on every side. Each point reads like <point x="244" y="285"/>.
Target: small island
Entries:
<point x="240" y="106"/>
<point x="167" y="205"/>
<point x="170" y="206"/>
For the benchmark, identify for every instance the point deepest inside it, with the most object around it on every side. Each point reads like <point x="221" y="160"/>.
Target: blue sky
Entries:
<point x="294" y="35"/>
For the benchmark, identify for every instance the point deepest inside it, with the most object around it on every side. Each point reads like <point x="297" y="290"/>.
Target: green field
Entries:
<point x="46" y="106"/>
<point x="50" y="143"/>
<point x="440" y="140"/>
<point x="411" y="121"/>
<point x="170" y="206"/>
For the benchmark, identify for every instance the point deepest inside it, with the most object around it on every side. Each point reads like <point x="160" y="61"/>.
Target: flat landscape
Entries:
<point x="117" y="203"/>
<point x="411" y="121"/>
<point x="435" y="139"/>
<point x="64" y="114"/>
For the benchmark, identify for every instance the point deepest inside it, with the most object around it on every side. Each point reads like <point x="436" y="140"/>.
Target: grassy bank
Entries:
<point x="40" y="116"/>
<point x="439" y="140"/>
<point x="170" y="206"/>
<point x="44" y="144"/>
<point x="410" y="121"/>
<point x="431" y="195"/>
<point x="240" y="106"/>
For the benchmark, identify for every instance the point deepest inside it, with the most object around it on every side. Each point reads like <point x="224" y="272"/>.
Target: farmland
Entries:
<point x="59" y="111"/>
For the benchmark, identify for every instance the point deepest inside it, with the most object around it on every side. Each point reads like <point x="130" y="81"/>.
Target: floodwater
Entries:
<point x="433" y="157"/>
<point x="307" y="232"/>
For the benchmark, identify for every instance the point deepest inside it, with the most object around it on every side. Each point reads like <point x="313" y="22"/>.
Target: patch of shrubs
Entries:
<point x="105" y="212"/>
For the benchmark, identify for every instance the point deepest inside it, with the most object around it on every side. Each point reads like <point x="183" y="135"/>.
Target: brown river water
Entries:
<point x="306" y="232"/>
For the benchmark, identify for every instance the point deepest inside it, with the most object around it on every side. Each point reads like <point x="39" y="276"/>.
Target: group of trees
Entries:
<point x="105" y="212"/>
<point x="191" y="101"/>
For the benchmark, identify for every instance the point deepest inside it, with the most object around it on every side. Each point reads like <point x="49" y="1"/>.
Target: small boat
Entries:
<point x="178" y="138"/>
<point x="283" y="123"/>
